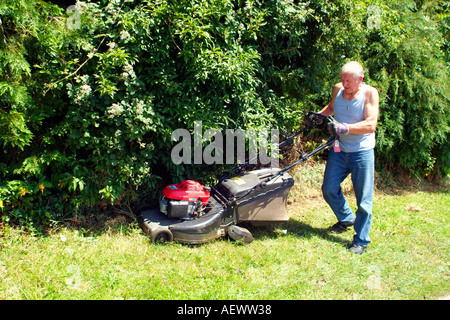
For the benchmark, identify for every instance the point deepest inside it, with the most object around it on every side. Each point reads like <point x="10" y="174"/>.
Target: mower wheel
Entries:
<point x="239" y="234"/>
<point x="161" y="235"/>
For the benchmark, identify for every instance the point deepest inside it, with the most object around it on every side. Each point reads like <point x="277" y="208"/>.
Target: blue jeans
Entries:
<point x="361" y="167"/>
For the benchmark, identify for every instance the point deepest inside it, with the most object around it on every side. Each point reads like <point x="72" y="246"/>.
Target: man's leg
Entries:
<point x="362" y="170"/>
<point x="335" y="173"/>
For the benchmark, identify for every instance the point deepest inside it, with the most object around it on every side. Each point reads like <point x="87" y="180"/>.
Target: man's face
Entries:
<point x="350" y="84"/>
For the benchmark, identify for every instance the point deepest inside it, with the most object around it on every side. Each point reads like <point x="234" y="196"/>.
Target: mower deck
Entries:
<point x="211" y="225"/>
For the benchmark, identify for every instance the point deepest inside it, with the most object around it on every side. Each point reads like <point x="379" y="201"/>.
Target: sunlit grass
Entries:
<point x="407" y="259"/>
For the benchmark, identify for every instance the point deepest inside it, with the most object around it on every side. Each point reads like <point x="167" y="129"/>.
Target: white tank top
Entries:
<point x="352" y="111"/>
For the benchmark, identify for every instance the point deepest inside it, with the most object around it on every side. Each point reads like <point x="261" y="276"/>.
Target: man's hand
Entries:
<point x="338" y="128"/>
<point x="341" y="128"/>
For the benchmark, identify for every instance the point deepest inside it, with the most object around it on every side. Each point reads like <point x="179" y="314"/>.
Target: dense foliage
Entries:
<point x="89" y="96"/>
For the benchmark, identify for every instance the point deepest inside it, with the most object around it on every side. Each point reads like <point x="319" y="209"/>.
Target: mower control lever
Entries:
<point x="300" y="153"/>
<point x="313" y="119"/>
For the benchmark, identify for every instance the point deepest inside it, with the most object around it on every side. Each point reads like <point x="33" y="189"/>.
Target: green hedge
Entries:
<point x="89" y="96"/>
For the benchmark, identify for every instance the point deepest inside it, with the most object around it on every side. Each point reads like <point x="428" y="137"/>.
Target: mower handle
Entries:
<point x="312" y="119"/>
<point x="303" y="158"/>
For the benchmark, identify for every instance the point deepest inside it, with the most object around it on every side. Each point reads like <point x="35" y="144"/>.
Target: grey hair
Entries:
<point x="354" y="68"/>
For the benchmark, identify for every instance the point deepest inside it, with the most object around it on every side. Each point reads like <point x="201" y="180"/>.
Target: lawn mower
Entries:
<point x="192" y="213"/>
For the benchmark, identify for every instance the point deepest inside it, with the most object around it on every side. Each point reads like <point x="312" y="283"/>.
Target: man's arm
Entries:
<point x="329" y="109"/>
<point x="369" y="124"/>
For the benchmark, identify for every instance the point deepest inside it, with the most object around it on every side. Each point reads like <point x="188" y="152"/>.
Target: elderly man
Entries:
<point x="354" y="105"/>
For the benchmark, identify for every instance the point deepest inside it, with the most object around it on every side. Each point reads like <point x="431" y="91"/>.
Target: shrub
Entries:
<point x="90" y="96"/>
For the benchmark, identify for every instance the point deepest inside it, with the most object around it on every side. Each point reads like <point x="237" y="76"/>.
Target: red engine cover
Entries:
<point x="188" y="190"/>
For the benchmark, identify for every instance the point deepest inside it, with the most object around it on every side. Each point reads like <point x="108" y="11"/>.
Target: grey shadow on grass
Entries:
<point x="297" y="228"/>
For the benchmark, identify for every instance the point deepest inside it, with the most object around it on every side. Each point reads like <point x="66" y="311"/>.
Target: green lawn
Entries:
<point x="408" y="258"/>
